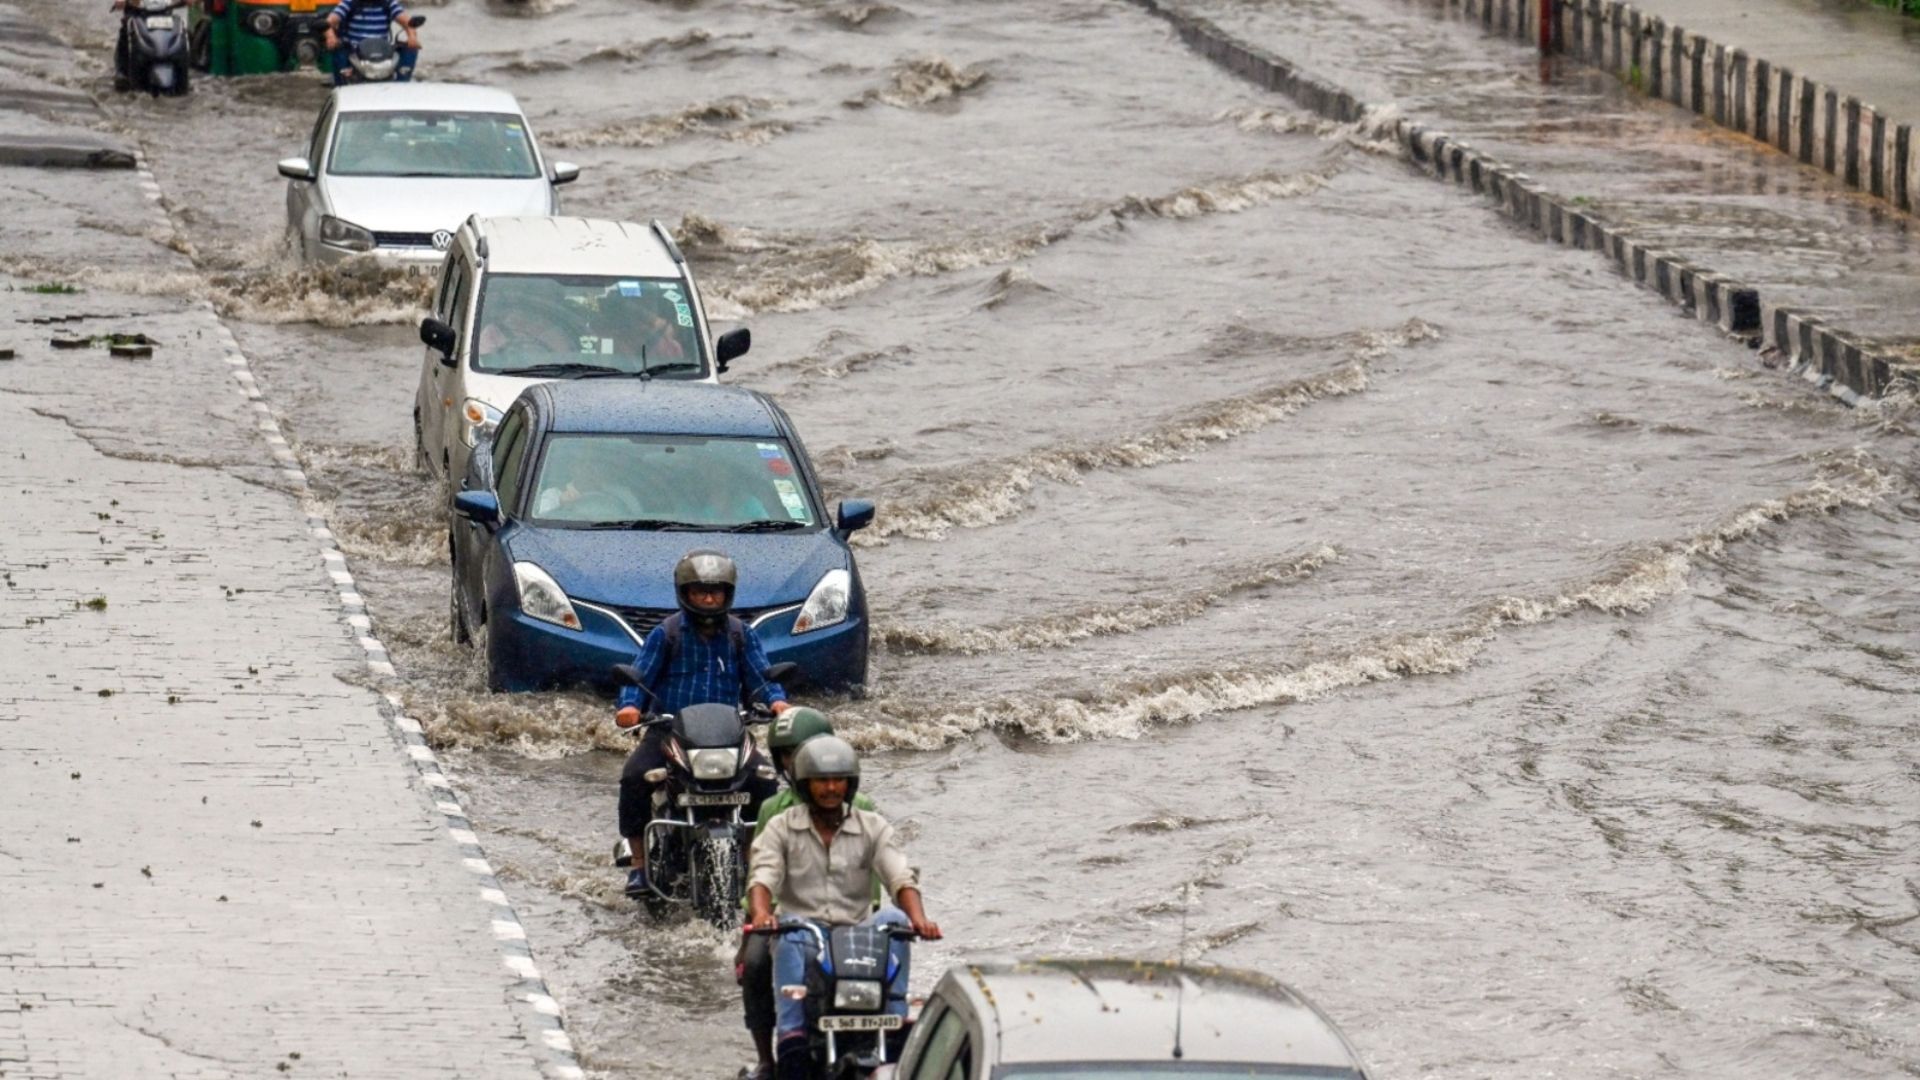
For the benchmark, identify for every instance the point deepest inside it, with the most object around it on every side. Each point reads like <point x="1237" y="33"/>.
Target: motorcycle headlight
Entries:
<point x="715" y="764"/>
<point x="377" y="70"/>
<point x="857" y="995"/>
<point x="828" y="603"/>
<point x="542" y="598"/>
<point x="156" y="7"/>
<point x="344" y="234"/>
<point x="479" y="419"/>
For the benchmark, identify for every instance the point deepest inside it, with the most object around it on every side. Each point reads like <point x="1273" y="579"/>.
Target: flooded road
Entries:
<point x="1491" y="651"/>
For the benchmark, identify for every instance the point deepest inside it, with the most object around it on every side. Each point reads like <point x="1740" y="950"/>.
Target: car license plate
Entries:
<point x="159" y="22"/>
<point x="882" y="1022"/>
<point x="731" y="798"/>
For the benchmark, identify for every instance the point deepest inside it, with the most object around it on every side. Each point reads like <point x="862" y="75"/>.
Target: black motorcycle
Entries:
<point x="851" y="976"/>
<point x="378" y="59"/>
<point x="153" y="49"/>
<point x="698" y="836"/>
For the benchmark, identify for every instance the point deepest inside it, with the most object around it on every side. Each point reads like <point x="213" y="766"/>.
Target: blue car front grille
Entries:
<point x="642" y="620"/>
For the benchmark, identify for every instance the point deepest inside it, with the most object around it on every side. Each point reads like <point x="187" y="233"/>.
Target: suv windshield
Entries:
<point x="469" y="146"/>
<point x="573" y="325"/>
<point x="670" y="482"/>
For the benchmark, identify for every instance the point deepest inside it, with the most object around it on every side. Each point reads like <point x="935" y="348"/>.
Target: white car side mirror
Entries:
<point x="296" y="168"/>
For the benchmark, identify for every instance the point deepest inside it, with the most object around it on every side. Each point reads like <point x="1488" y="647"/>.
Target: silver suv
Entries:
<point x="522" y="300"/>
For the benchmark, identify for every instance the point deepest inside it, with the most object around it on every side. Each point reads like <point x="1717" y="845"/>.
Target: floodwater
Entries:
<point x="1272" y="542"/>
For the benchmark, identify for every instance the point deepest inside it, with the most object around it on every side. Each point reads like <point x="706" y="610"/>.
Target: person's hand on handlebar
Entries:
<point x="333" y="39"/>
<point x="627" y="717"/>
<point x="926" y="928"/>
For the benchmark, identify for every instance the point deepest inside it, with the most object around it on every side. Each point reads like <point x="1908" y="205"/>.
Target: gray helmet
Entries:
<point x="704" y="566"/>
<point x="825" y="757"/>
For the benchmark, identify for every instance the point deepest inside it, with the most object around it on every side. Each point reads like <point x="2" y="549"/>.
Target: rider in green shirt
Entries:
<point x="753" y="967"/>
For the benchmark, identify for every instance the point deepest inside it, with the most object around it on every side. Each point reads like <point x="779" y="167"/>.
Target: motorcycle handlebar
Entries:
<point x="904" y="933"/>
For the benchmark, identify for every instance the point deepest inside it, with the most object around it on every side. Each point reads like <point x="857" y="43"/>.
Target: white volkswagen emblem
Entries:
<point x="441" y="239"/>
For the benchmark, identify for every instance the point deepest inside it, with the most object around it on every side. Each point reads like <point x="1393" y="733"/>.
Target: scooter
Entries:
<point x="153" y="50"/>
<point x="378" y="59"/>
<point x="851" y="975"/>
<point x="698" y="836"/>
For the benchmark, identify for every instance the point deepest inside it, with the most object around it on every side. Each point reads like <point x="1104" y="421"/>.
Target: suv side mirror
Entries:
<point x="439" y="337"/>
<point x="480" y="507"/>
<point x="731" y="346"/>
<point x="296" y="168"/>
<point x="854" y="515"/>
<point x="565" y="172"/>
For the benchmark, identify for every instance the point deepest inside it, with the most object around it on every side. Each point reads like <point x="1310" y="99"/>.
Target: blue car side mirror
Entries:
<point x="854" y="515"/>
<point x="482" y="507"/>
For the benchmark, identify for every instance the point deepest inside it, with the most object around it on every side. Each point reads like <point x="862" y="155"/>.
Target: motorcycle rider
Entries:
<point x="753" y="967"/>
<point x="700" y="654"/>
<point x="818" y="861"/>
<point x="354" y="21"/>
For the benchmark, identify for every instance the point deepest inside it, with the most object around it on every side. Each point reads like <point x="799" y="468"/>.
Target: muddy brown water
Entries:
<point x="1498" y="655"/>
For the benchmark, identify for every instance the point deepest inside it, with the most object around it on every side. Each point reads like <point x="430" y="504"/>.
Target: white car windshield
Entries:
<point x="548" y="326"/>
<point x="670" y="482"/>
<point x="455" y="145"/>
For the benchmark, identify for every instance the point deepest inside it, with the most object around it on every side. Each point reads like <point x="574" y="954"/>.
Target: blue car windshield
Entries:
<point x="690" y="482"/>
<point x="569" y="325"/>
<point x="466" y="146"/>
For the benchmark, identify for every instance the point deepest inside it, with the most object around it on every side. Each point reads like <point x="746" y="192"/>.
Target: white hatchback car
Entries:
<point x="391" y="169"/>
<point x="522" y="300"/>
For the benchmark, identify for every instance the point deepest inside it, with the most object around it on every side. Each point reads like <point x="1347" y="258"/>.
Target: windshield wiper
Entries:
<point x="769" y="525"/>
<point x="564" y="370"/>
<point x="662" y="524"/>
<point x="677" y="365"/>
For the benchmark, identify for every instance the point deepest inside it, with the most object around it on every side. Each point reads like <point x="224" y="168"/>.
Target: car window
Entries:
<point x="446" y="144"/>
<point x="509" y="463"/>
<point x="462" y="302"/>
<point x="621" y="324"/>
<point x="943" y="1056"/>
<point x="454" y="272"/>
<point x="670" y="481"/>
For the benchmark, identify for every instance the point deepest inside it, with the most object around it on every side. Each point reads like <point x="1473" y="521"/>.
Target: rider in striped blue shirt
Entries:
<point x="701" y="654"/>
<point x="353" y="21"/>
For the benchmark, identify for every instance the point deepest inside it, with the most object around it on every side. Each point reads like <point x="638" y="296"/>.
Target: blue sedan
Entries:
<point x="568" y="525"/>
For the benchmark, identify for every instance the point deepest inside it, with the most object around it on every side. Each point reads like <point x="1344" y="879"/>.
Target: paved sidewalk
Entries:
<point x="216" y="858"/>
<point x="1851" y="45"/>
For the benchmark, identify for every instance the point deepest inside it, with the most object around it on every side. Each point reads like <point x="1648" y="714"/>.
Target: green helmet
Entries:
<point x="795" y="726"/>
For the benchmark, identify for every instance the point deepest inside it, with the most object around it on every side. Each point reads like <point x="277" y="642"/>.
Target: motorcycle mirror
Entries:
<point x="417" y="21"/>
<point x="782" y="671"/>
<point x="296" y="168"/>
<point x="628" y="674"/>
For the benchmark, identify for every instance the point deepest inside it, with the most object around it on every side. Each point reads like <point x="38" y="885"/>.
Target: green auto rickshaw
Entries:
<point x="258" y="37"/>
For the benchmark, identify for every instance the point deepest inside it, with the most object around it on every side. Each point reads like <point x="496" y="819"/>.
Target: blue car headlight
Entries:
<point x="828" y="604"/>
<point x="542" y="598"/>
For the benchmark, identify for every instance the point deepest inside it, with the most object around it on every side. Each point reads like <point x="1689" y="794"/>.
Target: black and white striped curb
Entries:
<point x="539" y="1013"/>
<point x="1849" y="366"/>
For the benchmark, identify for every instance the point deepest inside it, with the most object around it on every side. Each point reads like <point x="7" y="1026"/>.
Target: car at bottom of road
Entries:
<point x="572" y="516"/>
<point x="391" y="169"/>
<point x="528" y="299"/>
<point x="1120" y="1020"/>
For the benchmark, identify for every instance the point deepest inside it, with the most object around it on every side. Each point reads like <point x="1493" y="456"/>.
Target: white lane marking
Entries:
<point x="478" y="866"/>
<point x="522" y="966"/>
<point x="509" y="931"/>
<point x="543" y="1004"/>
<point x="464" y="836"/>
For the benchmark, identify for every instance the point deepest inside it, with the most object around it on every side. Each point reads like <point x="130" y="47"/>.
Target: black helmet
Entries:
<point x="825" y="757"/>
<point x="705" y="566"/>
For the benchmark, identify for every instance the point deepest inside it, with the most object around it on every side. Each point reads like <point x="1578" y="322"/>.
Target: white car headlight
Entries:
<point x="344" y="234"/>
<point x="827" y="605"/>
<point x="478" y="419"/>
<point x="857" y="995"/>
<point x="714" y="764"/>
<point x="542" y="598"/>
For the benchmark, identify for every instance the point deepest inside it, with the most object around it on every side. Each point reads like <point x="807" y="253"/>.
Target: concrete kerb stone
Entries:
<point x="539" y="1011"/>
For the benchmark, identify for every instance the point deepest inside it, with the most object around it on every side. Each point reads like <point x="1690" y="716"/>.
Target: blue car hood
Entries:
<point x="635" y="569"/>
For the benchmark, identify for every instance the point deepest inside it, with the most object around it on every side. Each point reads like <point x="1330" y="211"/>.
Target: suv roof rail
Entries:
<point x="666" y="238"/>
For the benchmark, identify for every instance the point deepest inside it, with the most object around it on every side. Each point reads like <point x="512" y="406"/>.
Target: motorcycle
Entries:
<point x="697" y="838"/>
<point x="851" y="975"/>
<point x="378" y="59"/>
<point x="153" y="50"/>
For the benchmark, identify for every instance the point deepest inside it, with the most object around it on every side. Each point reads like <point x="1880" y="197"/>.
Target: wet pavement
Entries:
<point x="1271" y="542"/>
